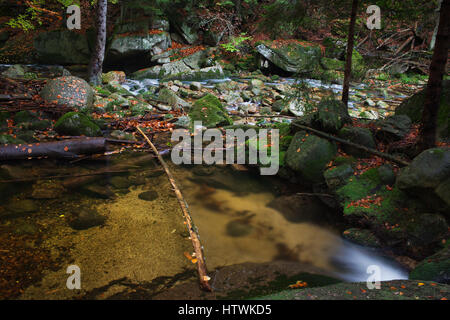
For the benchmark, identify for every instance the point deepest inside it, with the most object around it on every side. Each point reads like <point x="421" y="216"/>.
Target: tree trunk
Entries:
<point x="96" y="64"/>
<point x="427" y="137"/>
<point x="350" y="44"/>
<point x="433" y="38"/>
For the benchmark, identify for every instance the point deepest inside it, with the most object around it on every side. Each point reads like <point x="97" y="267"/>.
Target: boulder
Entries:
<point x="210" y="111"/>
<point x="170" y="98"/>
<point x="70" y="91"/>
<point x="362" y="237"/>
<point x="413" y="108"/>
<point x="126" y="48"/>
<point x="77" y="124"/>
<point x="434" y="268"/>
<point x="428" y="177"/>
<point x="308" y="155"/>
<point x="114" y="76"/>
<point x="393" y="128"/>
<point x="293" y="57"/>
<point x="362" y="136"/>
<point x="338" y="176"/>
<point x="187" y="33"/>
<point x="16" y="71"/>
<point x="331" y="116"/>
<point x="62" y="47"/>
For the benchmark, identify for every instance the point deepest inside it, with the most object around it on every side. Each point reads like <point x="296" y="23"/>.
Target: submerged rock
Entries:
<point x="70" y="91"/>
<point x="238" y="228"/>
<point x="47" y="190"/>
<point x="85" y="219"/>
<point x="148" y="195"/>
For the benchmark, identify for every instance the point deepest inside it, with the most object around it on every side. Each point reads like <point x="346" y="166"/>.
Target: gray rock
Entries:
<point x="62" y="47"/>
<point x="70" y="91"/>
<point x="428" y="177"/>
<point x="358" y="135"/>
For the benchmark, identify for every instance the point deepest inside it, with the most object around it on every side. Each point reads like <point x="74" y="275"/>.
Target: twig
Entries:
<point x="201" y="266"/>
<point x="315" y="194"/>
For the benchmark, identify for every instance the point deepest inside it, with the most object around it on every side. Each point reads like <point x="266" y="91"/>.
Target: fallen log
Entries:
<point x="66" y="149"/>
<point x="201" y="266"/>
<point x="355" y="145"/>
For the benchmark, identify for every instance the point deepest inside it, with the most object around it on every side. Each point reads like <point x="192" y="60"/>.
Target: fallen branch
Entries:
<point x="352" y="144"/>
<point x="201" y="266"/>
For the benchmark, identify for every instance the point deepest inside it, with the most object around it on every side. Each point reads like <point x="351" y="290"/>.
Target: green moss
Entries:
<point x="77" y="124"/>
<point x="210" y="111"/>
<point x="280" y="283"/>
<point x="435" y="268"/>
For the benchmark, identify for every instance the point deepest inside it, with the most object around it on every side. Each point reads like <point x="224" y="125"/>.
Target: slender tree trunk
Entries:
<point x="96" y="64"/>
<point x="433" y="38"/>
<point x="350" y="44"/>
<point x="433" y="91"/>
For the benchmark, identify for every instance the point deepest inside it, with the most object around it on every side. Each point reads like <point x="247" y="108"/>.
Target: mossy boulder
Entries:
<point x="62" y="47"/>
<point x="428" y="177"/>
<point x="413" y="108"/>
<point x="362" y="237"/>
<point x="362" y="136"/>
<point x="170" y="98"/>
<point x="210" y="111"/>
<point x="115" y="87"/>
<point x="293" y="57"/>
<point x="332" y="64"/>
<point x="338" y="176"/>
<point x="393" y="128"/>
<point x="16" y="71"/>
<point x="70" y="91"/>
<point x="308" y="155"/>
<point x="331" y="116"/>
<point x="434" y="268"/>
<point x="77" y="124"/>
<point x="8" y="139"/>
<point x="114" y="76"/>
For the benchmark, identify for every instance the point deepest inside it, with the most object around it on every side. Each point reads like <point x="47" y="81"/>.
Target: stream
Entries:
<point x="129" y="225"/>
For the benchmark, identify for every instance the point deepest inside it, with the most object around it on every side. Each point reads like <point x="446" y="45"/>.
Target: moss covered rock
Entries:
<point x="428" y="177"/>
<point x="362" y="136"/>
<point x="77" y="124"/>
<point x="308" y="155"/>
<point x="413" y="108"/>
<point x="170" y="98"/>
<point x="70" y="91"/>
<point x="330" y="116"/>
<point x="338" y="176"/>
<point x="294" y="57"/>
<point x="362" y="237"/>
<point x="434" y="268"/>
<point x="210" y="111"/>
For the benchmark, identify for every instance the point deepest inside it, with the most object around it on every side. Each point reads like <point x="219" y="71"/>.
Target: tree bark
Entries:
<point x="427" y="137"/>
<point x="96" y="63"/>
<point x="66" y="149"/>
<point x="433" y="38"/>
<point x="350" y="44"/>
